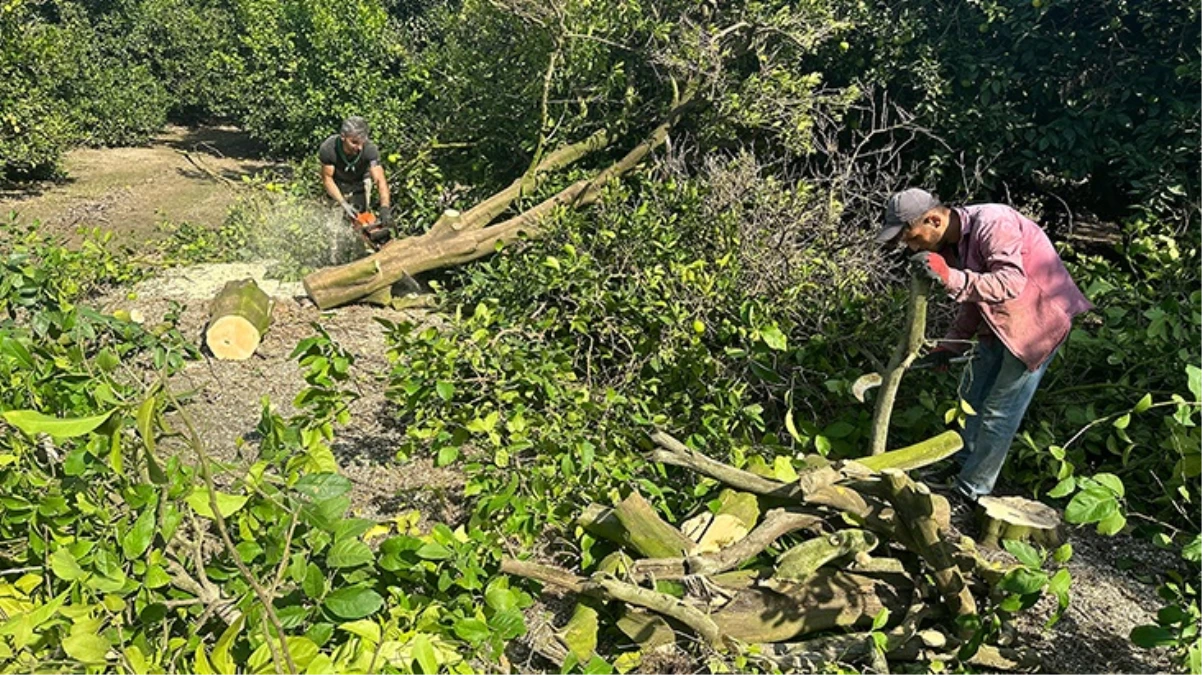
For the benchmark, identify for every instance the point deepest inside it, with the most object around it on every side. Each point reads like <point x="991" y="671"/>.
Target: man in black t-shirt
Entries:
<point x="349" y="164"/>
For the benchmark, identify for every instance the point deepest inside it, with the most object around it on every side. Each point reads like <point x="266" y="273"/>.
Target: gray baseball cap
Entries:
<point x="904" y="208"/>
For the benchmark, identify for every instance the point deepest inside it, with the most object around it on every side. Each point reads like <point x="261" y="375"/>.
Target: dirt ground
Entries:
<point x="181" y="176"/>
<point x="131" y="190"/>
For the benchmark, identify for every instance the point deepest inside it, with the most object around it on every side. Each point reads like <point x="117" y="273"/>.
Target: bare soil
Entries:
<point x="182" y="176"/>
<point x="131" y="190"/>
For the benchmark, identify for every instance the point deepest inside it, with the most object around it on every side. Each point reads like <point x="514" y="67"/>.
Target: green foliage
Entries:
<point x="137" y="559"/>
<point x="1094" y="101"/>
<point x="62" y="87"/>
<point x="661" y="309"/>
<point x="1178" y="621"/>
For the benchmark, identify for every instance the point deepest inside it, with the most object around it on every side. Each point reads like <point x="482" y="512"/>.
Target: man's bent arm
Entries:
<point x="377" y="174"/>
<point x="1001" y="247"/>
<point x="327" y="179"/>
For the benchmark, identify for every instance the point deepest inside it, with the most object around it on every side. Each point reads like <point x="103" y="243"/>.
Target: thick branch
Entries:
<point x="915" y="512"/>
<point x="903" y="356"/>
<point x="776" y="524"/>
<point x="677" y="454"/>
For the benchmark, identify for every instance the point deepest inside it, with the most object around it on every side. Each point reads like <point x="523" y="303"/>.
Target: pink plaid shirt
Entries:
<point x="1010" y="276"/>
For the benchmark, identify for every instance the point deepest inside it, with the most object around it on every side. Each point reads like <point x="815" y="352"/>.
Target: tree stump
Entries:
<point x="238" y="317"/>
<point x="1019" y="519"/>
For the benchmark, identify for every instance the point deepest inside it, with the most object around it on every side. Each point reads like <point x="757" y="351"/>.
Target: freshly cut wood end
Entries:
<point x="1020" y="511"/>
<point x="232" y="338"/>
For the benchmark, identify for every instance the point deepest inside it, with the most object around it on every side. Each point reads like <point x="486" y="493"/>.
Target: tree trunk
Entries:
<point x="1019" y="519"/>
<point x="238" y="317"/>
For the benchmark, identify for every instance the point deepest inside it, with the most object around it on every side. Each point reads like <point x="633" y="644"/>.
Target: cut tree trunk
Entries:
<point x="238" y="317"/>
<point x="1019" y="519"/>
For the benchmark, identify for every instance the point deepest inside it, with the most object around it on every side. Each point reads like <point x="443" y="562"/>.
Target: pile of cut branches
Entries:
<point x="851" y="562"/>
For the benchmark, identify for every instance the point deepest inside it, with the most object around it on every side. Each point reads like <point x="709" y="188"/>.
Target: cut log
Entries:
<point x="646" y="532"/>
<point x="1019" y="519"/>
<point x="828" y="600"/>
<point x="715" y="530"/>
<point x="238" y="317"/>
<point x="803" y="560"/>
<point x="918" y="455"/>
<point x="915" y="514"/>
<point x="776" y="524"/>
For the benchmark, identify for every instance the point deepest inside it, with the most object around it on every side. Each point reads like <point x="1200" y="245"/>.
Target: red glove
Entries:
<point x="933" y="265"/>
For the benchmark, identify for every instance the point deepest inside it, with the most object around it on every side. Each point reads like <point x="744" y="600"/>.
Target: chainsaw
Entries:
<point x="369" y="228"/>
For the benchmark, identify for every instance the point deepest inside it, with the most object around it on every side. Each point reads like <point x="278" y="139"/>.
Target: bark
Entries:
<point x="238" y="317"/>
<point x="777" y="523"/>
<point x="1019" y="519"/>
<point x="646" y="532"/>
<point x="454" y="240"/>
<point x="676" y="453"/>
<point x="828" y="600"/>
<point x="903" y="356"/>
<point x="803" y="560"/>
<point x="918" y="455"/>
<point x="915" y="514"/>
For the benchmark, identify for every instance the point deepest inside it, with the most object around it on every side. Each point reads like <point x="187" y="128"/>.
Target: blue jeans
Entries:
<point x="999" y="387"/>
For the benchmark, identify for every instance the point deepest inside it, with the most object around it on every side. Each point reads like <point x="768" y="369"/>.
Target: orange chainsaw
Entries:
<point x="368" y="227"/>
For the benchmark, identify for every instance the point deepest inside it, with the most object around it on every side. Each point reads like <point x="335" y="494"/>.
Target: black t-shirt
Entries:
<point x="348" y="170"/>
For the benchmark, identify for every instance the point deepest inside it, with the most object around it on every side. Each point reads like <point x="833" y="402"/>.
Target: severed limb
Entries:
<point x="777" y="523"/>
<point x="608" y="587"/>
<point x="915" y="514"/>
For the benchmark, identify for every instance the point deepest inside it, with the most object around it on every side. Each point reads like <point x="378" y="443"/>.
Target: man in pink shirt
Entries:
<point x="1015" y="296"/>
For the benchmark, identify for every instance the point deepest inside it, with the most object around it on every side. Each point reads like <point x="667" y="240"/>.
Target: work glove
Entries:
<point x="386" y="216"/>
<point x="938" y="360"/>
<point x="933" y="266"/>
<point x="348" y="209"/>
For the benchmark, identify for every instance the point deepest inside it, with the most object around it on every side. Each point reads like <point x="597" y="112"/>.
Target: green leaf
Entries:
<point x="145" y="421"/>
<point x="791" y="427"/>
<point x="86" y="647"/>
<point x="1122" y="421"/>
<point x="433" y="550"/>
<point x="424" y="653"/>
<point x="349" y="553"/>
<point x="446" y="455"/>
<point x="1023" y="581"/>
<point x="580" y="633"/>
<point x="1193" y="550"/>
<point x="881" y="618"/>
<point x="445" y="390"/>
<point x="33" y="423"/>
<point x="137" y="540"/>
<point x="319" y="487"/>
<point x="222" y="661"/>
<point x="1091" y="505"/>
<point x="473" y="630"/>
<point x="1063" y="488"/>
<point x="1152" y="636"/>
<point x="1063" y="554"/>
<point x="1194" y="374"/>
<point x="354" y="602"/>
<point x="65" y="566"/>
<point x="314" y="583"/>
<point x="500" y="599"/>
<point x="227" y="504"/>
<point x="368" y="630"/>
<point x="1112" y="524"/>
<point x="775" y="339"/>
<point x="1111" y="481"/>
<point x="1144" y="404"/>
<point x="1025" y="553"/>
